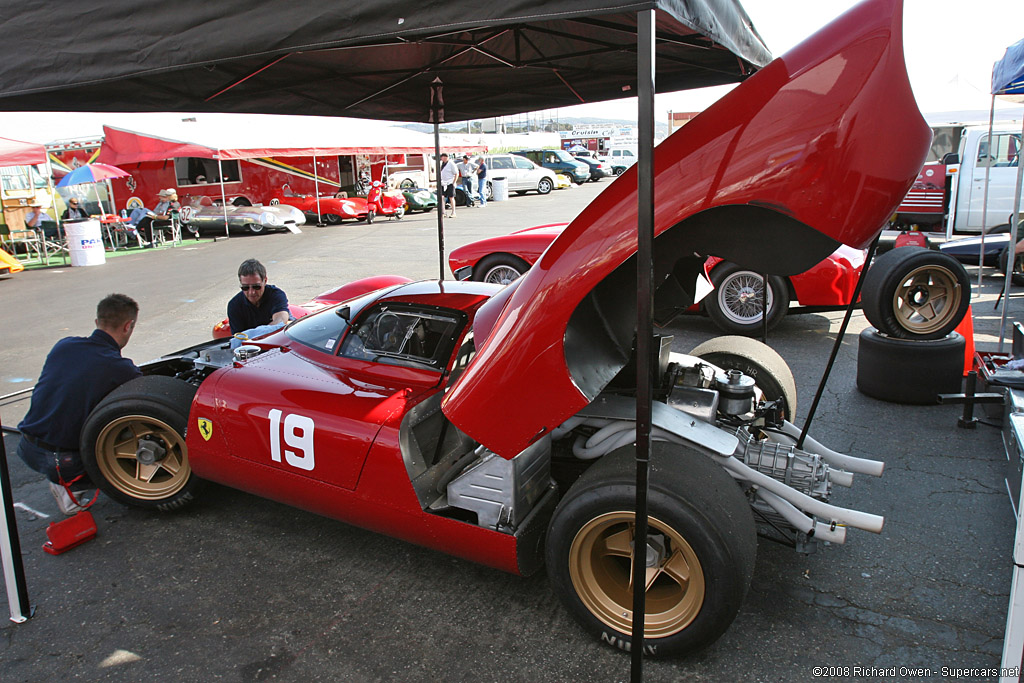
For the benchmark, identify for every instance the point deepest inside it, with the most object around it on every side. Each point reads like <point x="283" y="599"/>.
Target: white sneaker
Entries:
<point x="64" y="502"/>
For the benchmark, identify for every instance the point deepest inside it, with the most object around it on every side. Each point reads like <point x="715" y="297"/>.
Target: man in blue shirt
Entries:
<point x="258" y="303"/>
<point x="78" y="373"/>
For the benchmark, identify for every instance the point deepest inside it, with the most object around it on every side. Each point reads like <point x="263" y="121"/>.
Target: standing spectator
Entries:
<point x="78" y="373"/>
<point x="449" y="174"/>
<point x="481" y="179"/>
<point x="467" y="171"/>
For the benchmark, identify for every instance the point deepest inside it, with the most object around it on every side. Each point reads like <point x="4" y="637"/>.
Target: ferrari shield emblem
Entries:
<point x="205" y="428"/>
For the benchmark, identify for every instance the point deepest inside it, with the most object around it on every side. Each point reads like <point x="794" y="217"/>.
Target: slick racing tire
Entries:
<point x="701" y="536"/>
<point x="915" y="293"/>
<point x="911" y="371"/>
<point x="142" y="420"/>
<point x="769" y="370"/>
<point x="736" y="304"/>
<point x="500" y="268"/>
<point x="1017" y="277"/>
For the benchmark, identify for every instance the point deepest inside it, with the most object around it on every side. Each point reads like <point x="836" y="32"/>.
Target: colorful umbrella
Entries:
<point x="92" y="173"/>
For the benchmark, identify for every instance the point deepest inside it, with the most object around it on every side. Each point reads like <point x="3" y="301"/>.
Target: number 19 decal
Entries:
<point x="298" y="434"/>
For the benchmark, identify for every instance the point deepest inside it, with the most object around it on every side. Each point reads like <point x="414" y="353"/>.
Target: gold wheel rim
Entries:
<point x="927" y="299"/>
<point x="116" y="448"/>
<point x="601" y="568"/>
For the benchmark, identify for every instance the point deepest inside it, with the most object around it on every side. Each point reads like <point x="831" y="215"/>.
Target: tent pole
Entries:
<point x="10" y="547"/>
<point x="316" y="191"/>
<point x="223" y="195"/>
<point x="53" y="203"/>
<point x="1014" y="226"/>
<point x="437" y="113"/>
<point x="644" y="324"/>
<point x="984" y="201"/>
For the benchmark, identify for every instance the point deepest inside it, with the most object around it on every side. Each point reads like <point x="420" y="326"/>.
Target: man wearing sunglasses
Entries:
<point x="258" y="303"/>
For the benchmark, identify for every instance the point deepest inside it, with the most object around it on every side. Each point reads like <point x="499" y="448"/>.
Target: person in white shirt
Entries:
<point x="449" y="174"/>
<point x="467" y="171"/>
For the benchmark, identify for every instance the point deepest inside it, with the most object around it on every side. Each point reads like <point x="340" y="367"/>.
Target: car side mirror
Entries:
<point x="344" y="312"/>
<point x="950" y="158"/>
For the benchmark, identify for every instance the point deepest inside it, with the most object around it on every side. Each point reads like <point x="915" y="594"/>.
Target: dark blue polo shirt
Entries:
<point x="242" y="315"/>
<point x="77" y="374"/>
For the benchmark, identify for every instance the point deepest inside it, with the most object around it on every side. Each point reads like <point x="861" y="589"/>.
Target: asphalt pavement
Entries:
<point x="237" y="588"/>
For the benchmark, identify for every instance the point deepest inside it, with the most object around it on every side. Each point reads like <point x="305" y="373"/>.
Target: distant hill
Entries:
<point x="563" y="124"/>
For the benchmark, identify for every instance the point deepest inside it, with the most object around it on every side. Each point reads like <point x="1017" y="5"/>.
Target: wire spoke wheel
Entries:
<point x="118" y="449"/>
<point x="601" y="567"/>
<point x="743" y="298"/>
<point x="502" y="275"/>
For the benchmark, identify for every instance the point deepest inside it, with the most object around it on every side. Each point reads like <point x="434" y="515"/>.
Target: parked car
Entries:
<point x="497" y="423"/>
<point x="966" y="249"/>
<point x="620" y="159"/>
<point x="599" y="168"/>
<point x="203" y="214"/>
<point x="419" y="199"/>
<point x="558" y="161"/>
<point x="336" y="209"/>
<point x="735" y="305"/>
<point x="522" y="174"/>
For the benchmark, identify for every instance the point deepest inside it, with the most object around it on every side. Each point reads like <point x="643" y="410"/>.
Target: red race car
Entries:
<point x="735" y="305"/>
<point x="496" y="423"/>
<point x="334" y="210"/>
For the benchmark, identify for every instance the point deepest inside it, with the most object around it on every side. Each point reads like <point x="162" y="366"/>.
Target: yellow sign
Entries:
<point x="205" y="428"/>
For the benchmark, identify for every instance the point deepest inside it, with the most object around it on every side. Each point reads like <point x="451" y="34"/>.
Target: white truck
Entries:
<point x="949" y="194"/>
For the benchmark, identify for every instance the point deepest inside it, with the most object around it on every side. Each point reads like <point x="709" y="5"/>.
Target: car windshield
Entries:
<point x="562" y="155"/>
<point x="403" y="335"/>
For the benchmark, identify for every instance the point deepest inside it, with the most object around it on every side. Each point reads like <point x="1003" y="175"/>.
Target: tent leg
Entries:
<point x="437" y="113"/>
<point x="1014" y="229"/>
<point x="10" y="548"/>
<point x="644" y="323"/>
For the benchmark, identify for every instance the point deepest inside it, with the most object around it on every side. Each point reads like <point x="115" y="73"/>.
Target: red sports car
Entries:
<point x="735" y="305"/>
<point x="496" y="423"/>
<point x="336" y="209"/>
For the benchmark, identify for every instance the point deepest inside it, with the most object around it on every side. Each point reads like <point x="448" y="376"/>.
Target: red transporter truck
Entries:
<point x="255" y="169"/>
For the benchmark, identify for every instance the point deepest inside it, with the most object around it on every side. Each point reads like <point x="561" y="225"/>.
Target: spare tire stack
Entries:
<point x="914" y="297"/>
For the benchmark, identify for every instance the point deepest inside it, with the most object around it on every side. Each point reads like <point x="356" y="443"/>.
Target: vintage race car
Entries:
<point x="336" y="209"/>
<point x="203" y="214"/>
<point x="735" y="305"/>
<point x="9" y="265"/>
<point x="496" y="423"/>
<point x="419" y="199"/>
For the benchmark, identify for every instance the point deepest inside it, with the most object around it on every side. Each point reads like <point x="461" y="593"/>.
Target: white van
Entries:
<point x="620" y="158"/>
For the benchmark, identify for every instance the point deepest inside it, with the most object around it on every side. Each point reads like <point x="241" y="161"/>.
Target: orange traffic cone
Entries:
<point x="966" y="328"/>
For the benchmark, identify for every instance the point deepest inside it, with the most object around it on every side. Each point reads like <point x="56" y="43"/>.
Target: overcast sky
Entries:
<point x="949" y="45"/>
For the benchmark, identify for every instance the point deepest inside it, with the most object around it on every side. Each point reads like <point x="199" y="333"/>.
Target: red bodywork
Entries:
<point x="354" y="208"/>
<point x="828" y="283"/>
<point x="815" y="150"/>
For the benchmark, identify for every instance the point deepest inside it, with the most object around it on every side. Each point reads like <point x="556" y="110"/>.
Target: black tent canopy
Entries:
<point x="369" y="60"/>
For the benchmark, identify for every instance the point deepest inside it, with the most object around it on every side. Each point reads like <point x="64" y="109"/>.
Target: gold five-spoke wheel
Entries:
<point x="142" y="457"/>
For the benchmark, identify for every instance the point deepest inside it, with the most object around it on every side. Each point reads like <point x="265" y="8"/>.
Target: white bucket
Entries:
<point x="85" y="242"/>
<point x="499" y="189"/>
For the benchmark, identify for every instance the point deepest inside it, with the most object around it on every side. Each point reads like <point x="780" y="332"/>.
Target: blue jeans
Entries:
<point x="467" y="187"/>
<point x="46" y="462"/>
<point x="481" y="186"/>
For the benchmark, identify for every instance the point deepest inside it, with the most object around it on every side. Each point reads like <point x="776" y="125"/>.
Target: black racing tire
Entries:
<point x="153" y="408"/>
<point x="1018" y="266"/>
<point x="736" y="304"/>
<point x="697" y="514"/>
<point x="915" y="293"/>
<point x="254" y="228"/>
<point x="191" y="229"/>
<point x="544" y="186"/>
<point x="771" y="374"/>
<point x="240" y="201"/>
<point x="332" y="218"/>
<point x="913" y="371"/>
<point x="500" y="269"/>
